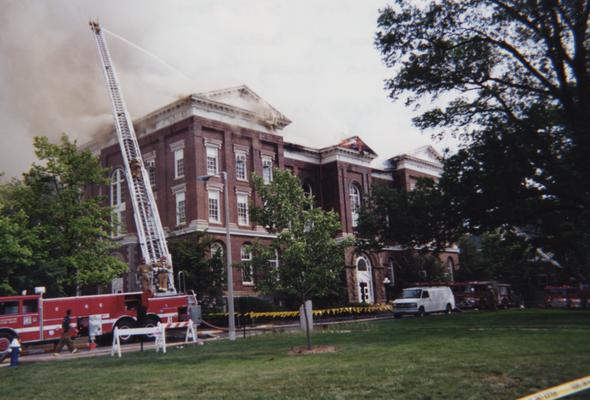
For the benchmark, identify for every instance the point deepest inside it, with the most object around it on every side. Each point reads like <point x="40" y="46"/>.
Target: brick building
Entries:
<point x="234" y="130"/>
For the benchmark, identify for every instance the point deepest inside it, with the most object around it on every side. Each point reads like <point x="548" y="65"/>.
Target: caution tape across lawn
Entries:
<point x="320" y="312"/>
<point x="559" y="391"/>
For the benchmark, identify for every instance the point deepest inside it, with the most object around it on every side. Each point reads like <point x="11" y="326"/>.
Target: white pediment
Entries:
<point x="242" y="97"/>
<point x="427" y="153"/>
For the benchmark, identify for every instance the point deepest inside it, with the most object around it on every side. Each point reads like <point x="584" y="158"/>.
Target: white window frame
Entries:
<point x="241" y="160"/>
<point x="246" y="255"/>
<point x="354" y="192"/>
<point x="179" y="163"/>
<point x="267" y="171"/>
<point x="150" y="166"/>
<point x="212" y="159"/>
<point x="180" y="208"/>
<point x="242" y="209"/>
<point x="118" y="216"/>
<point x="213" y="195"/>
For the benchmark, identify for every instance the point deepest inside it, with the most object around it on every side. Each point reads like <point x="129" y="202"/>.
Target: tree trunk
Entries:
<point x="307" y="333"/>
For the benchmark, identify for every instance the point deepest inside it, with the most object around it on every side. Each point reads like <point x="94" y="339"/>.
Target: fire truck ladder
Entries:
<point x="152" y="239"/>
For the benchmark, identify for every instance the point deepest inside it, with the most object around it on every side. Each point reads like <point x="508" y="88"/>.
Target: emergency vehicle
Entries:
<point x="35" y="319"/>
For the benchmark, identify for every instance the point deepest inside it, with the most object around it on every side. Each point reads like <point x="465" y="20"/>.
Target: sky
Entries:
<point x="314" y="61"/>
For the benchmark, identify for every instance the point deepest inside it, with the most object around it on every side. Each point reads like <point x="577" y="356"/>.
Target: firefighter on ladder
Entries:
<point x="162" y="274"/>
<point x="135" y="166"/>
<point x="144" y="271"/>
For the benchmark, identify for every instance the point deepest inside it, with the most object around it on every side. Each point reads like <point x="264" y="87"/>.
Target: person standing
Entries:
<point x="65" y="338"/>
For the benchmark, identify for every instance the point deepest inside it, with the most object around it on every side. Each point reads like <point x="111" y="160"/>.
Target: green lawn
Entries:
<point x="499" y="355"/>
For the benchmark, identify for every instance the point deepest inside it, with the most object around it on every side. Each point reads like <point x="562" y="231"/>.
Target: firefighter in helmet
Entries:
<point x="135" y="166"/>
<point x="163" y="274"/>
<point x="143" y="275"/>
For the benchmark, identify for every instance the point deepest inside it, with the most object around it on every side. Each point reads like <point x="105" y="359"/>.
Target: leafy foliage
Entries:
<point x="63" y="233"/>
<point x="409" y="218"/>
<point x="203" y="266"/>
<point x="516" y="79"/>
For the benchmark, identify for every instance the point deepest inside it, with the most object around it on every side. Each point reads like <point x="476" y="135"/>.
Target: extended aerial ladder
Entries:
<point x="150" y="232"/>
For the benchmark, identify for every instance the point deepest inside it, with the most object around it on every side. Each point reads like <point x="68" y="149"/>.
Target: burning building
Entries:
<point x="236" y="131"/>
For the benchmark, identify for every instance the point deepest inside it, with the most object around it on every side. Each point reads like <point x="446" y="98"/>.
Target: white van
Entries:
<point x="424" y="300"/>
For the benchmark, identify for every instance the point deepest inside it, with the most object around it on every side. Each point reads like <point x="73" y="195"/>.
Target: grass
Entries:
<point x="500" y="355"/>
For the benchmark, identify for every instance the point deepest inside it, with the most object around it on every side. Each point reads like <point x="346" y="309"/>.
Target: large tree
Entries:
<point x="67" y="231"/>
<point x="512" y="80"/>
<point x="309" y="256"/>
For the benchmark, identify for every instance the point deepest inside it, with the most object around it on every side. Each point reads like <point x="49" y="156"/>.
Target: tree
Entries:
<point x="516" y="77"/>
<point x="15" y="253"/>
<point x="309" y="254"/>
<point x="202" y="263"/>
<point x="70" y="244"/>
<point x="413" y="219"/>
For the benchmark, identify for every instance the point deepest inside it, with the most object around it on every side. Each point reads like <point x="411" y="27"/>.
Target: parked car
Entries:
<point x="424" y="300"/>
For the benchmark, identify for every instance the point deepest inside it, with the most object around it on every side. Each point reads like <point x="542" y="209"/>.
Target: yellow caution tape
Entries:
<point x="557" y="392"/>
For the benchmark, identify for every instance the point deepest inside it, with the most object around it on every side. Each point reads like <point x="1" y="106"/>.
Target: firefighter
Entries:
<point x="65" y="338"/>
<point x="143" y="275"/>
<point x="135" y="166"/>
<point x="163" y="275"/>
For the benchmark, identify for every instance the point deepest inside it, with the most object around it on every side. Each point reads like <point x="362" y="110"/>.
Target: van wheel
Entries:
<point x="421" y="312"/>
<point x="397" y="315"/>
<point x="449" y="309"/>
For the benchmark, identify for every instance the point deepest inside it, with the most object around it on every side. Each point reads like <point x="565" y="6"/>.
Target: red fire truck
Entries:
<point x="35" y="319"/>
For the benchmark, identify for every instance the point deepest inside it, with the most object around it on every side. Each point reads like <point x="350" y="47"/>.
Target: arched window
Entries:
<point x="117" y="195"/>
<point x="362" y="264"/>
<point x="247" y="270"/>
<point x="216" y="250"/>
<point x="355" y="202"/>
<point x="307" y="189"/>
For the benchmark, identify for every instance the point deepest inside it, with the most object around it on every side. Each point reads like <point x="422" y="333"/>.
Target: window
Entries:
<point x="213" y="205"/>
<point x="217" y="250"/>
<point x="247" y="272"/>
<point x="178" y="163"/>
<point x="151" y="170"/>
<point x="180" y="208"/>
<point x="243" y="209"/>
<point x="267" y="169"/>
<point x="241" y="167"/>
<point x="212" y="160"/>
<point x="355" y="203"/>
<point x="30" y="306"/>
<point x="307" y="189"/>
<point x="274" y="262"/>
<point x="392" y="271"/>
<point x="8" y="307"/>
<point x="361" y="264"/>
<point x="425" y="294"/>
<point x="118" y="217"/>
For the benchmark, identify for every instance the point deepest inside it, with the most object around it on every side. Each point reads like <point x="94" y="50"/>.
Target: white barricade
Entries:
<point x="159" y="332"/>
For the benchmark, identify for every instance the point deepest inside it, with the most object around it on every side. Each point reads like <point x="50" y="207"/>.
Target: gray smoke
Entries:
<point x="51" y="77"/>
<point x="313" y="61"/>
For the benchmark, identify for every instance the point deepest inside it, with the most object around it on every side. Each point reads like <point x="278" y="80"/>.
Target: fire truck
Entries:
<point x="36" y="319"/>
